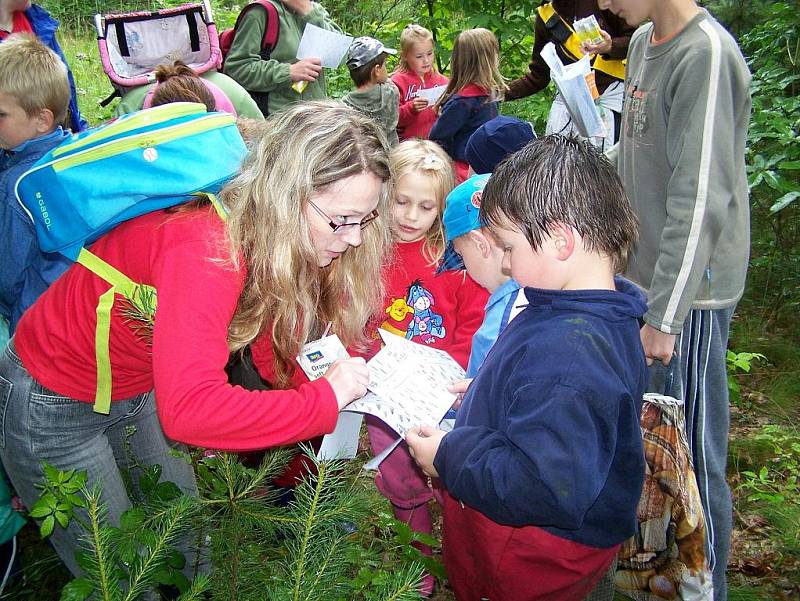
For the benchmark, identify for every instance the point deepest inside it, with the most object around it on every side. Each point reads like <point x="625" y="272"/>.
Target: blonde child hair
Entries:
<point x="428" y="158"/>
<point x="303" y="151"/>
<point x="413" y="34"/>
<point x="34" y="75"/>
<point x="475" y="59"/>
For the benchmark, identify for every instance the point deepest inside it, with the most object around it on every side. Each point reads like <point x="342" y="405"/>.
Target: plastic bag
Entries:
<point x="571" y="83"/>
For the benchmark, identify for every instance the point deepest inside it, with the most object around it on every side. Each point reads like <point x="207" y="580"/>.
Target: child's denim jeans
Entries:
<point x="37" y="425"/>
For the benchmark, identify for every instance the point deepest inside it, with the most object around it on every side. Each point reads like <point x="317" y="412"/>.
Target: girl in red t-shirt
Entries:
<point x="440" y="310"/>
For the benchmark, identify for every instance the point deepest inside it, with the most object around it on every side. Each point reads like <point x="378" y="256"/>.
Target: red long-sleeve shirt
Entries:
<point x="442" y="311"/>
<point x="411" y="124"/>
<point x="182" y="255"/>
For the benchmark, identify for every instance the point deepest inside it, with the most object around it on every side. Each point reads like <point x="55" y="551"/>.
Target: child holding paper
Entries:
<point x="417" y="72"/>
<point x="471" y="96"/>
<point x="442" y="311"/>
<point x="544" y="467"/>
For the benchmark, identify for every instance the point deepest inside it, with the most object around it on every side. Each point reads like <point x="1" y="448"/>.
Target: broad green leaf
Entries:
<point x="784" y="201"/>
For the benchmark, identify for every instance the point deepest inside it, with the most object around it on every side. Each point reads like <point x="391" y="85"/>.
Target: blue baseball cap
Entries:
<point x="495" y="140"/>
<point x="461" y="215"/>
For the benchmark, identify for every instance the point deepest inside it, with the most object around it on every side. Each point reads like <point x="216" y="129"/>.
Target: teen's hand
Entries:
<point x="603" y="47"/>
<point x="459" y="387"/>
<point x="301" y="7"/>
<point x="349" y="379"/>
<point x="307" y="69"/>
<point x="419" y="104"/>
<point x="423" y="442"/>
<point x="657" y="345"/>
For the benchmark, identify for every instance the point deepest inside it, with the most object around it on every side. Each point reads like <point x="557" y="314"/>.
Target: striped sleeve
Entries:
<point x="700" y="99"/>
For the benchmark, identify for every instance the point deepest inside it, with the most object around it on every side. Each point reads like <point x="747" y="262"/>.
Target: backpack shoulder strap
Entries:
<point x="120" y="284"/>
<point x="272" y="29"/>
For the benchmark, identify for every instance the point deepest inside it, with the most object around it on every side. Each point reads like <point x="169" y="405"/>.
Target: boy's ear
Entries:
<point x="44" y="121"/>
<point x="563" y="239"/>
<point x="480" y="240"/>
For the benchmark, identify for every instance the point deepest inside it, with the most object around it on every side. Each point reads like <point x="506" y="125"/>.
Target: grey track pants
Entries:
<point x="700" y="380"/>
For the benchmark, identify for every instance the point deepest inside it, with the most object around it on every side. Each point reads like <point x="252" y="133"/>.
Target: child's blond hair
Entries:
<point x="412" y="34"/>
<point x="34" y="75"/>
<point x="475" y="59"/>
<point x="427" y="158"/>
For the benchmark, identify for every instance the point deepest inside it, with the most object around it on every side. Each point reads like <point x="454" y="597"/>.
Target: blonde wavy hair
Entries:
<point x="428" y="159"/>
<point x="475" y="59"/>
<point x="302" y="152"/>
<point x="412" y="34"/>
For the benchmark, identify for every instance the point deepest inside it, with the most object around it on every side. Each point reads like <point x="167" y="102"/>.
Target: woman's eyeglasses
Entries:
<point x="340" y="227"/>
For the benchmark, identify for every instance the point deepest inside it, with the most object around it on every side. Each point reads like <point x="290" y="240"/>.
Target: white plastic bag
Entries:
<point x="571" y="83"/>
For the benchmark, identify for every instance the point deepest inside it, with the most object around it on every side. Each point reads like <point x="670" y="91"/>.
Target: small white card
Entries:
<point x="328" y="46"/>
<point x="431" y="94"/>
<point x="315" y="358"/>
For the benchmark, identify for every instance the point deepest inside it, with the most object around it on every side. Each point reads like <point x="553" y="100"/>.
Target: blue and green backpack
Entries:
<point x="142" y="162"/>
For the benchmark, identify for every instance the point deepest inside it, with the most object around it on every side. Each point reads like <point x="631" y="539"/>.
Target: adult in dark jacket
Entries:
<point x="553" y="24"/>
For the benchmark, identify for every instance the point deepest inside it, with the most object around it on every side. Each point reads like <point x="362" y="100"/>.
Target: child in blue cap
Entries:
<point x="472" y="247"/>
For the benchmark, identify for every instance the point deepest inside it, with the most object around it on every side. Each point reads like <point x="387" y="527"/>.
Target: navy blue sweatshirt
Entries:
<point x="548" y="434"/>
<point x="463" y="113"/>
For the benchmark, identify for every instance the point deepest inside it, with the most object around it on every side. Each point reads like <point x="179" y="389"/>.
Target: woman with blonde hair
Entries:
<point x="301" y="248"/>
<point x="471" y="96"/>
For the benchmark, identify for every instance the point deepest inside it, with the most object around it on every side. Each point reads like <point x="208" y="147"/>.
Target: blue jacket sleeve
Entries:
<point x="547" y="465"/>
<point x="455" y="113"/>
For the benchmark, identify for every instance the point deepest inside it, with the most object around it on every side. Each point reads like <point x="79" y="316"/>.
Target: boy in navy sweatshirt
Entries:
<point x="544" y="468"/>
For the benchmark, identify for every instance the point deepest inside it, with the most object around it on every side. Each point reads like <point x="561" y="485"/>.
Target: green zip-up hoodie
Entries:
<point x="244" y="64"/>
<point x="381" y="102"/>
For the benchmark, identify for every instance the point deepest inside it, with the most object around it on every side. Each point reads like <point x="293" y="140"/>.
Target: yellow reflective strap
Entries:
<point x="120" y="283"/>
<point x="102" y="397"/>
<point x="572" y="46"/>
<point x="221" y="210"/>
<point x="613" y="67"/>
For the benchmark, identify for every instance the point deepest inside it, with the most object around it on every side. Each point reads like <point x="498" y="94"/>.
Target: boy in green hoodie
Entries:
<point x="375" y="95"/>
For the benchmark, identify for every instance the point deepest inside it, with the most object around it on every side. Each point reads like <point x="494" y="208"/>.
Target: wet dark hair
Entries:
<point x="361" y="75"/>
<point x="180" y="83"/>
<point x="562" y="180"/>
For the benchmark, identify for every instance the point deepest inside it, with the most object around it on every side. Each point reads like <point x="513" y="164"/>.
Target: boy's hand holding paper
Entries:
<point x="423" y="442"/>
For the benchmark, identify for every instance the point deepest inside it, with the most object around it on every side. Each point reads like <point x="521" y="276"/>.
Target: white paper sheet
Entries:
<point x="328" y="46"/>
<point x="342" y="443"/>
<point x="431" y="94"/>
<point x="375" y="462"/>
<point x="408" y="384"/>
